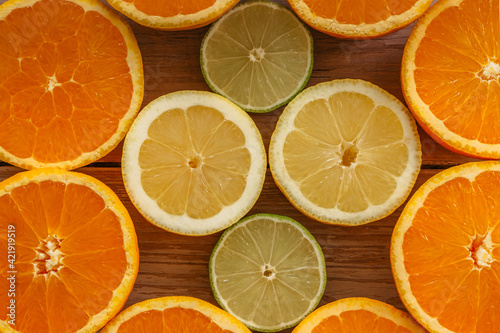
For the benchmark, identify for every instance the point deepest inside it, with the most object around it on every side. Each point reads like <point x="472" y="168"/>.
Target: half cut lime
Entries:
<point x="268" y="271"/>
<point x="259" y="55"/>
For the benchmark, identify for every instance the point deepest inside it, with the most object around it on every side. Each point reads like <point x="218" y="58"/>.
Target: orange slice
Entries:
<point x="358" y="18"/>
<point x="173" y="15"/>
<point x="71" y="82"/>
<point x="74" y="252"/>
<point x="358" y="315"/>
<point x="451" y="75"/>
<point x="445" y="251"/>
<point x="175" y="314"/>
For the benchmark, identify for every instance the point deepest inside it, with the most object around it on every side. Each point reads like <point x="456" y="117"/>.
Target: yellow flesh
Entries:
<point x="346" y="152"/>
<point x="194" y="162"/>
<point x="262" y="63"/>
<point x="267" y="280"/>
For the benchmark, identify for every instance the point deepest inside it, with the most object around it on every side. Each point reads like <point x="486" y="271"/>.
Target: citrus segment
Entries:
<point x="451" y="75"/>
<point x="259" y="55"/>
<point x="259" y="269"/>
<point x="345" y="152"/>
<point x="173" y="15"/>
<point x="445" y="250"/>
<point x="76" y="251"/>
<point x="71" y="82"/>
<point x="193" y="163"/>
<point x="358" y="315"/>
<point x="174" y="314"/>
<point x="357" y="18"/>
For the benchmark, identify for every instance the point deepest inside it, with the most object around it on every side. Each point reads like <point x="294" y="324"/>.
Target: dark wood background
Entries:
<point x="357" y="258"/>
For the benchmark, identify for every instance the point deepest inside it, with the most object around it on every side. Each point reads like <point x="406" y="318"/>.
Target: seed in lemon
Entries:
<point x="268" y="271"/>
<point x="259" y="55"/>
<point x="193" y="163"/>
<point x="345" y="152"/>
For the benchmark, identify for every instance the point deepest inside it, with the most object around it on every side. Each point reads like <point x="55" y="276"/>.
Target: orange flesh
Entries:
<point x="358" y="321"/>
<point x="458" y="223"/>
<point x="64" y="81"/>
<point x="171" y="320"/>
<point x="73" y="221"/>
<point x="358" y="11"/>
<point x="171" y="7"/>
<point x="451" y="73"/>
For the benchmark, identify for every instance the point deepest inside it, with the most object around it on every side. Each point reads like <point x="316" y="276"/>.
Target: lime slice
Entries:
<point x="259" y="55"/>
<point x="268" y="271"/>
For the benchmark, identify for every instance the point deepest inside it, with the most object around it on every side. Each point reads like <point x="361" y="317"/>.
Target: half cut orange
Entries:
<point x="71" y="82"/>
<point x="358" y="315"/>
<point x="73" y="251"/>
<point x="358" y="18"/>
<point x="451" y="75"/>
<point x="175" y="314"/>
<point x="445" y="250"/>
<point x="173" y="15"/>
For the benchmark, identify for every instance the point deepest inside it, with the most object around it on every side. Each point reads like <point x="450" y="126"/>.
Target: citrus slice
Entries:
<point x="358" y="315"/>
<point x="345" y="152"/>
<point x="73" y="251"/>
<point x="259" y="55"/>
<point x="71" y="82"/>
<point x="174" y="314"/>
<point x="268" y="271"/>
<point x="173" y="15"/>
<point x="357" y="18"/>
<point x="451" y="75"/>
<point x="445" y="251"/>
<point x="193" y="163"/>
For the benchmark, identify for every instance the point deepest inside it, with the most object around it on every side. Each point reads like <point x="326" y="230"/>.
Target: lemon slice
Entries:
<point x="268" y="271"/>
<point x="259" y="55"/>
<point x="345" y="152"/>
<point x="193" y="163"/>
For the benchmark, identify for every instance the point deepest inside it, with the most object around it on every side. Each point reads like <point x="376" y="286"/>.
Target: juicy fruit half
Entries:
<point x="358" y="315"/>
<point x="268" y="271"/>
<point x="357" y="18"/>
<point x="259" y="55"/>
<point x="345" y="152"/>
<point x="75" y="247"/>
<point x="71" y="82"/>
<point x="173" y="15"/>
<point x="451" y="75"/>
<point x="193" y="163"/>
<point x="175" y="314"/>
<point x="445" y="252"/>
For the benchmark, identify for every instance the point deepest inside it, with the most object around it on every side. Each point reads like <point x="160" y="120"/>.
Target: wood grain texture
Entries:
<point x="357" y="258"/>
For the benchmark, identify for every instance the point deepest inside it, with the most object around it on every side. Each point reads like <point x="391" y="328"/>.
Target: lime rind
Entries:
<point x="280" y="102"/>
<point x="306" y="234"/>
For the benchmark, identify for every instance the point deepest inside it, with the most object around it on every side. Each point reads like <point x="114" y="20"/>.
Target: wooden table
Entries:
<point x="357" y="258"/>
